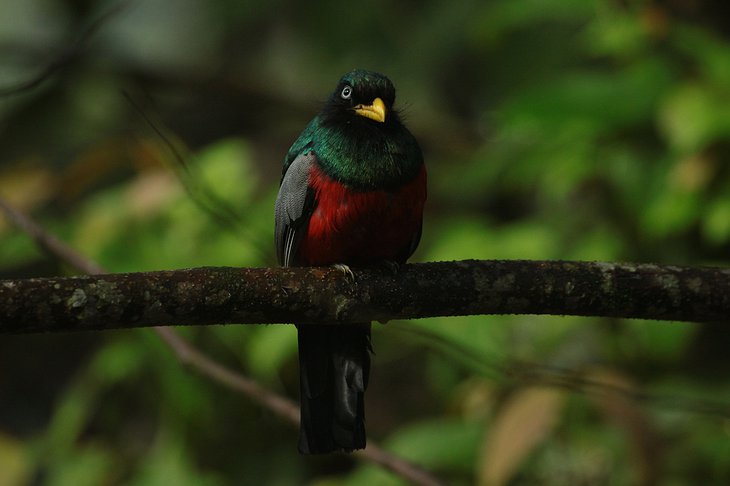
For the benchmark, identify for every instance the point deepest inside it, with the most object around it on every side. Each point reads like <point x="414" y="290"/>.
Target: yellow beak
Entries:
<point x="376" y="111"/>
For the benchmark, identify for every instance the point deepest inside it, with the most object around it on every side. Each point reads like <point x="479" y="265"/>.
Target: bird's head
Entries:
<point x="362" y="93"/>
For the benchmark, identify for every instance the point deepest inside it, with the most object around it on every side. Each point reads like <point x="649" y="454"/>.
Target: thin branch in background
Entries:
<point x="520" y="372"/>
<point x="67" y="56"/>
<point x="525" y="373"/>
<point x="48" y="242"/>
<point x="205" y="198"/>
<point x="188" y="355"/>
<point x="219" y="209"/>
<point x="574" y="380"/>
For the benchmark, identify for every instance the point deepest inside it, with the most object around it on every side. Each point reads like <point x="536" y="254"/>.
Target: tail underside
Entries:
<point x="334" y="365"/>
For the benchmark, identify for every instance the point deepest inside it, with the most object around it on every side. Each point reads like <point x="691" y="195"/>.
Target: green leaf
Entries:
<point x="479" y="342"/>
<point x="117" y="361"/>
<point x="707" y="49"/>
<point x="471" y="238"/>
<point x="269" y="347"/>
<point x="616" y="31"/>
<point x="169" y="462"/>
<point x="591" y="100"/>
<point x="225" y="168"/>
<point x="657" y="341"/>
<point x="670" y="212"/>
<point x="14" y="461"/>
<point x="505" y="15"/>
<point x="693" y="115"/>
<point x="440" y="444"/>
<point x="82" y="466"/>
<point x="716" y="221"/>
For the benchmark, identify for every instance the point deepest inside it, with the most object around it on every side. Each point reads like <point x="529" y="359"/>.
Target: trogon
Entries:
<point x="352" y="192"/>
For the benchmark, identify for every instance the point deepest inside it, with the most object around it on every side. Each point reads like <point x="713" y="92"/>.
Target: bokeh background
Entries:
<point x="552" y="129"/>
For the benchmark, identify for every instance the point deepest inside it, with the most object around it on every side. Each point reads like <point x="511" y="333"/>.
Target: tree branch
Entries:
<point x="66" y="56"/>
<point x="48" y="242"/>
<point x="203" y="296"/>
<point x="191" y="356"/>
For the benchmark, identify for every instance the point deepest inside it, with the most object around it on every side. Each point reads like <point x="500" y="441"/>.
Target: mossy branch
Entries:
<point x="202" y="296"/>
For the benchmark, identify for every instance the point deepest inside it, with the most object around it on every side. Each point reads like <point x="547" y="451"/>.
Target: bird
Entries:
<point x="352" y="193"/>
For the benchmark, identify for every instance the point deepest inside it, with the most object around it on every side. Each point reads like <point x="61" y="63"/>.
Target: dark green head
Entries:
<point x="358" y="137"/>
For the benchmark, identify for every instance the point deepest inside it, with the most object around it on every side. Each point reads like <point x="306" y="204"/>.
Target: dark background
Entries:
<point x="552" y="129"/>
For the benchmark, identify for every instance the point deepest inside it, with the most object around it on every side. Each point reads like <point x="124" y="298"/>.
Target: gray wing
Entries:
<point x="294" y="206"/>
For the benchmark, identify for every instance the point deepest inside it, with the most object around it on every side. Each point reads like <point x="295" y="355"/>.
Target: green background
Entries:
<point x="552" y="129"/>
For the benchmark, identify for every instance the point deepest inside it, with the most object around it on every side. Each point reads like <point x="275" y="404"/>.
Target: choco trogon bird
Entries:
<point x="352" y="193"/>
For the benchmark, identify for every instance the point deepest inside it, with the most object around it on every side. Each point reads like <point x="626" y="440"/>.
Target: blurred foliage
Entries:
<point x="592" y="129"/>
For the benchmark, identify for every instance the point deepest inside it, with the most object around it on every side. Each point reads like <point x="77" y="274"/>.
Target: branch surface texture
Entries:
<point x="202" y="296"/>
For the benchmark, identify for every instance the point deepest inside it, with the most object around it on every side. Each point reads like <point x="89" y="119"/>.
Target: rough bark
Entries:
<point x="203" y="296"/>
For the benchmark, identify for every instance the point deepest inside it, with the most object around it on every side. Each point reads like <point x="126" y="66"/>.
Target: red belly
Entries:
<point x="360" y="227"/>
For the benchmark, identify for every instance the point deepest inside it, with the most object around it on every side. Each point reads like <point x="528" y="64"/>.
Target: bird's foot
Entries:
<point x="346" y="271"/>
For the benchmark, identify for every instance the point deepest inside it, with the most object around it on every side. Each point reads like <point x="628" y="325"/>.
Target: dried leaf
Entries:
<point x="522" y="424"/>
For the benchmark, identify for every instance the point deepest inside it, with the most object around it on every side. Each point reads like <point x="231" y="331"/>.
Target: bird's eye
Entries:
<point x="346" y="93"/>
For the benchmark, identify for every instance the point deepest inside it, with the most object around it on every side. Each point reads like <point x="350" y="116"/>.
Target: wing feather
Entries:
<point x="294" y="206"/>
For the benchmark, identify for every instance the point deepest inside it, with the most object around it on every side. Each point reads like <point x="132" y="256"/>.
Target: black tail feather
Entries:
<point x="334" y="366"/>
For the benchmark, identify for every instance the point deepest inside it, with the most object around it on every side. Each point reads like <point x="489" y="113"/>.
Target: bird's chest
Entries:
<point x="349" y="226"/>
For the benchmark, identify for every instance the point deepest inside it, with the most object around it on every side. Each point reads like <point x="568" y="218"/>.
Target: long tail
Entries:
<point x="334" y="366"/>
